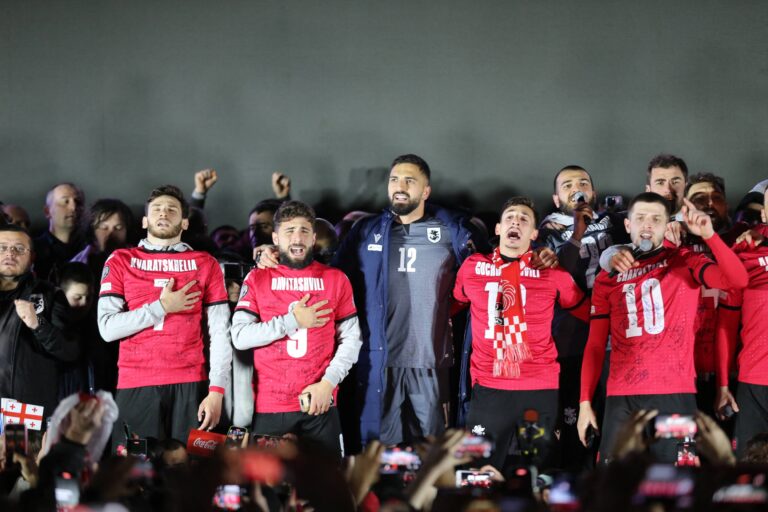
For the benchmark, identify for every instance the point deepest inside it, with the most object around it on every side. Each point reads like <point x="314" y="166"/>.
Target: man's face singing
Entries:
<point x="407" y="189"/>
<point x="164" y="218"/>
<point x="294" y="239"/>
<point x="647" y="221"/>
<point x="568" y="183"/>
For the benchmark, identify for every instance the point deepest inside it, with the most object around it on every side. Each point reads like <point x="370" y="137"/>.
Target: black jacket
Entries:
<point x="29" y="360"/>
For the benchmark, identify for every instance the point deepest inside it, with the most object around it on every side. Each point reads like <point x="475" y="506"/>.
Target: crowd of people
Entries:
<point x="608" y="355"/>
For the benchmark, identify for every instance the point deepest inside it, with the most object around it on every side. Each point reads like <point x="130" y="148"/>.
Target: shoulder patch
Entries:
<point x="104" y="273"/>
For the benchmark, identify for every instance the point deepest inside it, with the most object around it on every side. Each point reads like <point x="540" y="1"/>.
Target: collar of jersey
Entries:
<point x="148" y="247"/>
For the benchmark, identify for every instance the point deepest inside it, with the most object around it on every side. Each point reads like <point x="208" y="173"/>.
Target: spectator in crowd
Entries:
<point x="107" y="228"/>
<point x="153" y="299"/>
<point x="64" y="205"/>
<point x="35" y="326"/>
<point x="17" y="215"/>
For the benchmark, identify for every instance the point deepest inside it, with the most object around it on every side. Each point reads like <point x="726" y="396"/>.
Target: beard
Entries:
<point x="288" y="261"/>
<point x="567" y="209"/>
<point x="172" y="232"/>
<point x="404" y="208"/>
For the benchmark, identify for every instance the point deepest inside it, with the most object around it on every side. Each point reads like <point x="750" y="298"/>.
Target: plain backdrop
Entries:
<point x="120" y="96"/>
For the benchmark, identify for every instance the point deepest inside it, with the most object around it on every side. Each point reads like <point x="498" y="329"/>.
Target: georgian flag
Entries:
<point x="14" y="412"/>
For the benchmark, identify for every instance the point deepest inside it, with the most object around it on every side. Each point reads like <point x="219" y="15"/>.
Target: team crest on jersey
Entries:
<point x="376" y="237"/>
<point x="243" y="291"/>
<point x="104" y="273"/>
<point x="433" y="235"/>
<point x="38" y="302"/>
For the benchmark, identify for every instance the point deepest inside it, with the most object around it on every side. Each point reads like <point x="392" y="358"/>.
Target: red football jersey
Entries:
<point x="706" y="323"/>
<point x="288" y="365"/>
<point x="653" y="310"/>
<point x="753" y="300"/>
<point x="172" y="351"/>
<point x="477" y="283"/>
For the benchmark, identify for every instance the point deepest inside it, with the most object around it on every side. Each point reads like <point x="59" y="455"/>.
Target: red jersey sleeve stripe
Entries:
<point x="353" y="315"/>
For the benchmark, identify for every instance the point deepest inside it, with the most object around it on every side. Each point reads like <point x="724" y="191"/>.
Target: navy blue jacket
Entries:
<point x="363" y="256"/>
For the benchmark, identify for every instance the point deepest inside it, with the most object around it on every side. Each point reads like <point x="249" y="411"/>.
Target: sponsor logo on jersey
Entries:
<point x="375" y="247"/>
<point x="637" y="272"/>
<point x="300" y="284"/>
<point x="433" y="235"/>
<point x="164" y="265"/>
<point x="478" y="430"/>
<point x="376" y="237"/>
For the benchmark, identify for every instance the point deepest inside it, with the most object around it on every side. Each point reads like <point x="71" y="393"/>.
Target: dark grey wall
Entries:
<point x="497" y="95"/>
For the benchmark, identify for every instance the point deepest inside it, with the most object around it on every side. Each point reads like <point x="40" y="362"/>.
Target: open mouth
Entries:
<point x="400" y="196"/>
<point x="514" y="235"/>
<point x="297" y="251"/>
<point x="646" y="235"/>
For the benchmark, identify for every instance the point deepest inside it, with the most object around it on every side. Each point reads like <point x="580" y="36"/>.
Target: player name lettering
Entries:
<point x="299" y="284"/>
<point x="530" y="272"/>
<point x="763" y="262"/>
<point x="206" y="445"/>
<point x="484" y="268"/>
<point x="637" y="272"/>
<point x="164" y="265"/>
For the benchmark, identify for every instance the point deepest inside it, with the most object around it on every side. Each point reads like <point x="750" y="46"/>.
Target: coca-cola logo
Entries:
<point x="210" y="444"/>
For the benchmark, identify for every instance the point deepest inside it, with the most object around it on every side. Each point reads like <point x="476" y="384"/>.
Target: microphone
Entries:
<point x="644" y="246"/>
<point x="581" y="198"/>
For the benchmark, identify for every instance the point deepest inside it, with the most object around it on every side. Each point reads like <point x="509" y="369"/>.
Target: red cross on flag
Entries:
<point x="17" y="413"/>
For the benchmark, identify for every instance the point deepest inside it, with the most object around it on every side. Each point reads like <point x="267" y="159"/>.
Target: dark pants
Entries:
<point x="325" y="429"/>
<point x="752" y="418"/>
<point x="161" y="412"/>
<point x="618" y="409"/>
<point x="499" y="414"/>
<point x="413" y="404"/>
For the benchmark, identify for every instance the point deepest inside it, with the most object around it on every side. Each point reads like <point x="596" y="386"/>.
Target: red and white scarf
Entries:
<point x="510" y="329"/>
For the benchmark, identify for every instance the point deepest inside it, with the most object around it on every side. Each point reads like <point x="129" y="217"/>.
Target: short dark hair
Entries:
<point x="522" y="201"/>
<point x="290" y="210"/>
<point x="266" y="205"/>
<point x="17" y="229"/>
<point x="666" y="161"/>
<point x="416" y="160"/>
<point x="75" y="272"/>
<point x="650" y="197"/>
<point x="570" y="168"/>
<point x="103" y="209"/>
<point x="173" y="191"/>
<point x="706" y="177"/>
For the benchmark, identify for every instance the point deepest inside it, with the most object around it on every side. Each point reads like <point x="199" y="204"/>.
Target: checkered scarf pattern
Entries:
<point x="510" y="329"/>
